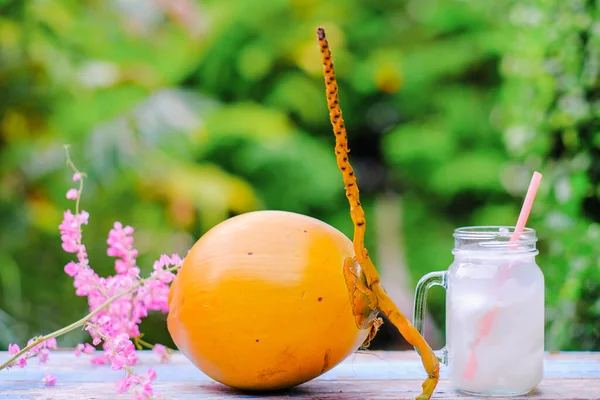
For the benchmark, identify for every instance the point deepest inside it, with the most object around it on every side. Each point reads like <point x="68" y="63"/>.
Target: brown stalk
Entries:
<point x="366" y="292"/>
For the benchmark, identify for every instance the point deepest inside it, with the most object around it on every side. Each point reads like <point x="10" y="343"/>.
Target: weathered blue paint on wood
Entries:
<point x="370" y="375"/>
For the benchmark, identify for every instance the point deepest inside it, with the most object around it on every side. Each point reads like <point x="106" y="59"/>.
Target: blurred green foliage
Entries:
<point x="551" y="122"/>
<point x="184" y="113"/>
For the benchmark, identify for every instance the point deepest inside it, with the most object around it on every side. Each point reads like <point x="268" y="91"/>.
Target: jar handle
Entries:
<point x="439" y="278"/>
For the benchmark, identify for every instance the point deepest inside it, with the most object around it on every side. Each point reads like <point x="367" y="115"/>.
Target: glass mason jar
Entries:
<point x="494" y="311"/>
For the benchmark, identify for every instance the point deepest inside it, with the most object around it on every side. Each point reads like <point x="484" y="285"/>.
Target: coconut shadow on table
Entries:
<point x="321" y="389"/>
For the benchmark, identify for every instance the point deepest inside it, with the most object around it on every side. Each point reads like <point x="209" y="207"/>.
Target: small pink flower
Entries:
<point x="117" y="362"/>
<point x="134" y="379"/>
<point x="49" y="380"/>
<point x="22" y="362"/>
<point x="100" y="360"/>
<point x="147" y="390"/>
<point x="151" y="374"/>
<point x="43" y="354"/>
<point x="162" y="352"/>
<point x="78" y="350"/>
<point x="88" y="349"/>
<point x="84" y="217"/>
<point x="123" y="384"/>
<point x="13" y="349"/>
<point x="131" y="358"/>
<point x="72" y="194"/>
<point x="76" y="177"/>
<point x="51" y="343"/>
<point x="71" y="268"/>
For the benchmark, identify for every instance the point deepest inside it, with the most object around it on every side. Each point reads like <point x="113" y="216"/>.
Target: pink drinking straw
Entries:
<point x="488" y="319"/>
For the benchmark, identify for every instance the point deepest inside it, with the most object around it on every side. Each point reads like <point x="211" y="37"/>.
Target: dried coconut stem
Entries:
<point x="370" y="295"/>
<point x="341" y="149"/>
<point x="430" y="362"/>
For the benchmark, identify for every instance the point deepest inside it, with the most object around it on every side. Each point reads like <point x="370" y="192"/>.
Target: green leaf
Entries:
<point x="479" y="171"/>
<point x="419" y="144"/>
<point x="248" y="120"/>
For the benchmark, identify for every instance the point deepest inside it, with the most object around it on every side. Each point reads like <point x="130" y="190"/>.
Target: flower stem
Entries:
<point x="142" y="343"/>
<point x="75" y="169"/>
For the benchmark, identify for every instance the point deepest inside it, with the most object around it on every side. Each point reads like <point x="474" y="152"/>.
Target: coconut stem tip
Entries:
<point x="320" y="33"/>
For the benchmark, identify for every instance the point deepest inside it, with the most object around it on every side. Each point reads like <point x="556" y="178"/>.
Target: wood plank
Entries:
<point x="370" y="375"/>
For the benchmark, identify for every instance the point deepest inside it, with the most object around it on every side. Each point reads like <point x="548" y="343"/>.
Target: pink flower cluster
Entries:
<point x="141" y="383"/>
<point x="42" y="351"/>
<point x="117" y="303"/>
<point x="86" y="280"/>
<point x="131" y="297"/>
<point x="127" y="311"/>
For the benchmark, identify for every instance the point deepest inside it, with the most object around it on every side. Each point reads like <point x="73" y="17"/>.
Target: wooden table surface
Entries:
<point x="373" y="375"/>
